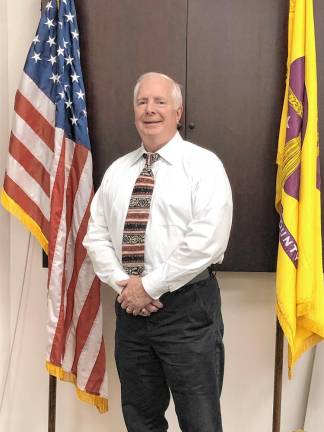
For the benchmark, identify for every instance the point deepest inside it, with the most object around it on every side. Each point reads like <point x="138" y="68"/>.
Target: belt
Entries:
<point x="200" y="277"/>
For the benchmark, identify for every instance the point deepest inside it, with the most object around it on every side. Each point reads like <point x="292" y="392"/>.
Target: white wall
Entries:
<point x="4" y="218"/>
<point x="250" y="324"/>
<point x="248" y="309"/>
<point x="20" y="20"/>
<point x="315" y="414"/>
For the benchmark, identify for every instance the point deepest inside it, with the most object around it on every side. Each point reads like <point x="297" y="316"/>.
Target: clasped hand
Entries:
<point x="134" y="299"/>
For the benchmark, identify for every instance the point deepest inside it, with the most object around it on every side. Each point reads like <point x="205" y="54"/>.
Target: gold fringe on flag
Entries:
<point x="98" y="401"/>
<point x="12" y="207"/>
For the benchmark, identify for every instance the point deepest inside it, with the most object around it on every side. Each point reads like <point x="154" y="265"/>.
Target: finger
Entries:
<point x="157" y="304"/>
<point x="151" y="308"/>
<point x="136" y="312"/>
<point x="124" y="305"/>
<point x="145" y="312"/>
<point x="120" y="299"/>
<point x="122" y="283"/>
<point x="129" y="310"/>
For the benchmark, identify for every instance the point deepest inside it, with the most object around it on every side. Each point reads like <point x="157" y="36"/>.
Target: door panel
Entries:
<point x="235" y="85"/>
<point x="120" y="40"/>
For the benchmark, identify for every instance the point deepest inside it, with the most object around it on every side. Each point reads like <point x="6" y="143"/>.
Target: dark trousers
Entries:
<point x="178" y="349"/>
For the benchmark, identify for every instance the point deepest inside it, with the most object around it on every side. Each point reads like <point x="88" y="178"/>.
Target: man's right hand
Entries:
<point x="136" y="294"/>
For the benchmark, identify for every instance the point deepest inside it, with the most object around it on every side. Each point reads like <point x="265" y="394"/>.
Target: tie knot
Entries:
<point x="151" y="158"/>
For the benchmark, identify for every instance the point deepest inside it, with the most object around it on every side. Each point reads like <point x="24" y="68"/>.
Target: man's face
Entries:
<point x="156" y="117"/>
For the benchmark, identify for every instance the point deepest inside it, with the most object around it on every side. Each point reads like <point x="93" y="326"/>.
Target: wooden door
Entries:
<point x="230" y="57"/>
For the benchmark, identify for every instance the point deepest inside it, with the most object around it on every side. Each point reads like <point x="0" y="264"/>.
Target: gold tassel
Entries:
<point x="99" y="402"/>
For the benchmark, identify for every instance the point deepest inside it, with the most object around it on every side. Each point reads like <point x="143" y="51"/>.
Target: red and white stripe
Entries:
<point x="50" y="178"/>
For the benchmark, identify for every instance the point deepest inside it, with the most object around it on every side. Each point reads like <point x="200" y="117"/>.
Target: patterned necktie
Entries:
<point x="137" y="218"/>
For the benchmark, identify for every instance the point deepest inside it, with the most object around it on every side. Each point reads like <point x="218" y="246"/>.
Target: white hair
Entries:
<point x="175" y="92"/>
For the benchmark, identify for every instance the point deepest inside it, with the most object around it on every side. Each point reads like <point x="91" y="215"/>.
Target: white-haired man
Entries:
<point x="160" y="219"/>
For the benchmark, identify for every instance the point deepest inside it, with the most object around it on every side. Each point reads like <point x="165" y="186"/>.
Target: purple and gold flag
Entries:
<point x="300" y="295"/>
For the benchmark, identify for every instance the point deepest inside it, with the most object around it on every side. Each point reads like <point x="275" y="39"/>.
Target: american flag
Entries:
<point x="48" y="187"/>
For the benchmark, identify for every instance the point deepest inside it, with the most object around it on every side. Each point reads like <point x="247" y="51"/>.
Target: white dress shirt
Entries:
<point x="190" y="216"/>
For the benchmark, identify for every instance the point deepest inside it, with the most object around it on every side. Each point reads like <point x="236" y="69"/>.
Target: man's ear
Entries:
<point x="179" y="113"/>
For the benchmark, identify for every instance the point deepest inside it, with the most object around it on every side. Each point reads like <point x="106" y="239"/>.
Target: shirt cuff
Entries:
<point x="117" y="276"/>
<point x="153" y="286"/>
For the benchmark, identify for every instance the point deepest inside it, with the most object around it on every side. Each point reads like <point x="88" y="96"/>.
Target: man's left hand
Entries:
<point x="133" y="297"/>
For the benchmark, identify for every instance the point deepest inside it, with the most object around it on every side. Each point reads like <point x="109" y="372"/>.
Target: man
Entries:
<point x="160" y="219"/>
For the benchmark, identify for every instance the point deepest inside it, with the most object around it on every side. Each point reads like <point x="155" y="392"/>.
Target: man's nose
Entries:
<point x="150" y="107"/>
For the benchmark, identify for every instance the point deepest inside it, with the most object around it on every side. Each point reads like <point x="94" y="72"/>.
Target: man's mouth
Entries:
<point x="152" y="121"/>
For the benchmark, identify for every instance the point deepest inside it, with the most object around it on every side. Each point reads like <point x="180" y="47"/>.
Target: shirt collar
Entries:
<point x="168" y="152"/>
<point x="137" y="154"/>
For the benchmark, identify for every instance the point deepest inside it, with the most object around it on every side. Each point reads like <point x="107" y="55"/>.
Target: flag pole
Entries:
<point x="52" y="404"/>
<point x="51" y="379"/>
<point x="277" y="390"/>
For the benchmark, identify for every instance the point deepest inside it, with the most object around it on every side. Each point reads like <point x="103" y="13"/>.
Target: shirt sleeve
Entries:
<point x="99" y="245"/>
<point x="207" y="236"/>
